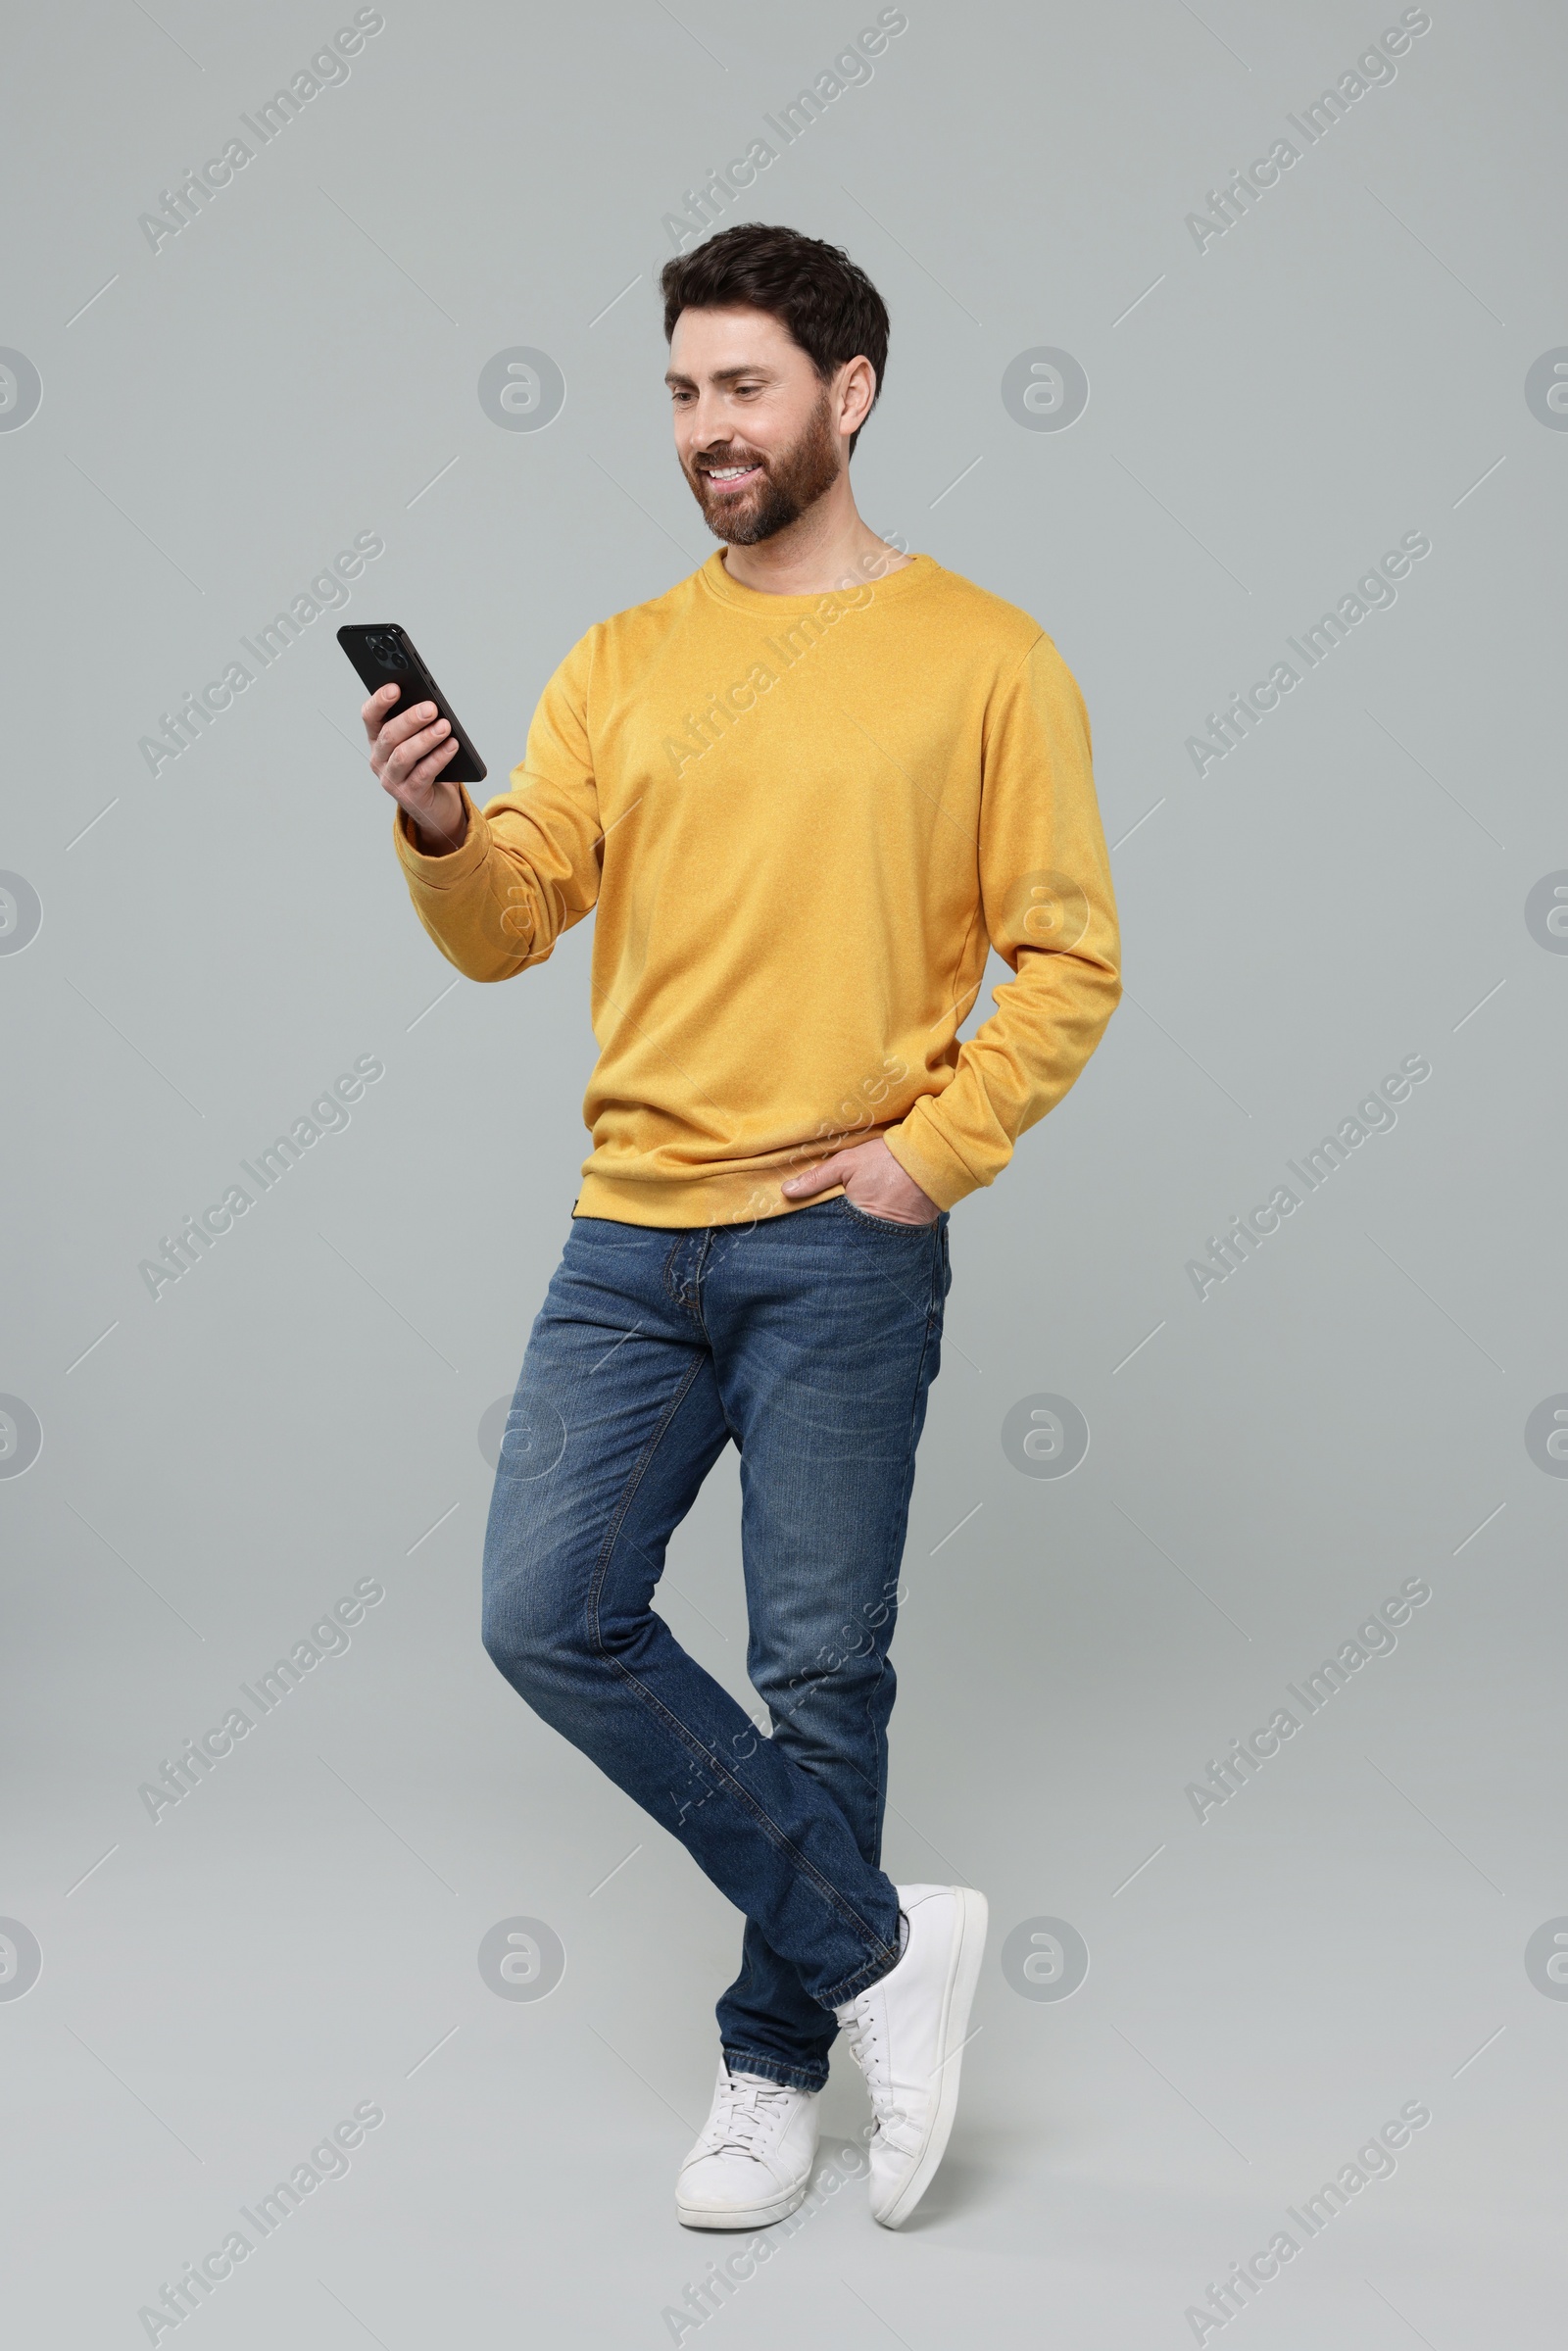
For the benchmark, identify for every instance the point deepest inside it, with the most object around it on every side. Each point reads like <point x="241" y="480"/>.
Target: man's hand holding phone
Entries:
<point x="408" y="750"/>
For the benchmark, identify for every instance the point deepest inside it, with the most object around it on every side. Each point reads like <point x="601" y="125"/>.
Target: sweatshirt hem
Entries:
<point x="681" y="1203"/>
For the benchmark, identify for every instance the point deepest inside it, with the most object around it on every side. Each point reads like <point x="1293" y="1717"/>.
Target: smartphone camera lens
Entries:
<point x="389" y="652"/>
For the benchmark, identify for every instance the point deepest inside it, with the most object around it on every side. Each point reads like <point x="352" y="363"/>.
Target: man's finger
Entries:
<point x="415" y="748"/>
<point x="815" y="1179"/>
<point x="430" y="767"/>
<point x="403" y="723"/>
<point x="375" y="709"/>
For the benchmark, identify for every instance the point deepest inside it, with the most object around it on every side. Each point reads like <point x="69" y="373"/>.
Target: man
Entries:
<point x="801" y="790"/>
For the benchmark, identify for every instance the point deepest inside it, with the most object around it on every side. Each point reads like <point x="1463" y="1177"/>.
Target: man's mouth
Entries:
<point x="729" y="479"/>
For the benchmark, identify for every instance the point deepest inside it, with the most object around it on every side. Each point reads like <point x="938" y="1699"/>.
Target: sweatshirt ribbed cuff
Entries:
<point x="443" y="872"/>
<point x="924" y="1153"/>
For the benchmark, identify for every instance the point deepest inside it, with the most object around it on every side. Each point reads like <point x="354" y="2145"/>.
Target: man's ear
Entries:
<point x="858" y="385"/>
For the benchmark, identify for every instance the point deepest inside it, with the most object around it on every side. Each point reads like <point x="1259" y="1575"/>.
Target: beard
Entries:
<point x="788" y="484"/>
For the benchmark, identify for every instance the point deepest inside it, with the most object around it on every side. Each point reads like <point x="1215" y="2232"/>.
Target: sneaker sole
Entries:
<point x="957" y="2000"/>
<point x="741" y="2216"/>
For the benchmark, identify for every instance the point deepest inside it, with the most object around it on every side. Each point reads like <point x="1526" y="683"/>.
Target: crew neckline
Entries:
<point x="716" y="576"/>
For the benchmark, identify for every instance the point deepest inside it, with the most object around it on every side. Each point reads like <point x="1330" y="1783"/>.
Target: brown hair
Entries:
<point x="829" y="306"/>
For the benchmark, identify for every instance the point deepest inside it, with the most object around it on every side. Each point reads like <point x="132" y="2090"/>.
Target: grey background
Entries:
<point x="301" y="1411"/>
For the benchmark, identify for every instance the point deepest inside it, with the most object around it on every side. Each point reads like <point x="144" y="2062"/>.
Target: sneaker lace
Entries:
<point x="892" y="2120"/>
<point x="750" y="2111"/>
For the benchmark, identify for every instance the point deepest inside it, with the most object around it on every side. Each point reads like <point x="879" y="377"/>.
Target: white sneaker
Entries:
<point x="907" y="2031"/>
<point x="753" y="2163"/>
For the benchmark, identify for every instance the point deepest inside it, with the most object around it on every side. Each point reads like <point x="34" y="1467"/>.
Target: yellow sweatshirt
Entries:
<point x="799" y="820"/>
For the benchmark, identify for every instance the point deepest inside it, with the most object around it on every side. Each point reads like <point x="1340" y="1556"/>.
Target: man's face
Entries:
<point x="755" y="427"/>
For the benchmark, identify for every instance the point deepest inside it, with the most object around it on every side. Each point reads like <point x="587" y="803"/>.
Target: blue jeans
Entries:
<point x="810" y="1339"/>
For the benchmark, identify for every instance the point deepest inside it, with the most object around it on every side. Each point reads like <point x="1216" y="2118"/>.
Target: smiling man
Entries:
<point x="804" y="793"/>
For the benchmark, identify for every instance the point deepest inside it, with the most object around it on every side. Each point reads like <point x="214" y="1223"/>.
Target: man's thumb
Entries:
<point x="814" y="1179"/>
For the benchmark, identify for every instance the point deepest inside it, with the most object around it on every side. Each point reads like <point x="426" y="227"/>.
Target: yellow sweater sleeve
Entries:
<point x="1051" y="915"/>
<point x="529" y="865"/>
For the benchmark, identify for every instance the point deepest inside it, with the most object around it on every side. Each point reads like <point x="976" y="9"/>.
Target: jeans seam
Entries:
<point x="888" y="1278"/>
<point x="800" y="1861"/>
<point x="692" y="1306"/>
<point x="671" y="1290"/>
<point x="934" y="1311"/>
<point x="919" y="1371"/>
<point x="613" y="1532"/>
<point x="859" y="1981"/>
<point x="771" y="2068"/>
<point x="895" y="1563"/>
<point x="689" y="1739"/>
<point x="879" y="1746"/>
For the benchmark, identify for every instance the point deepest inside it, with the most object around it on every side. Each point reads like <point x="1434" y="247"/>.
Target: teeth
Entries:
<point x="727" y="472"/>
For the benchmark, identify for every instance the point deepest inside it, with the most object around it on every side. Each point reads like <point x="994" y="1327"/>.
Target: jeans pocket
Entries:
<point x="884" y="1224"/>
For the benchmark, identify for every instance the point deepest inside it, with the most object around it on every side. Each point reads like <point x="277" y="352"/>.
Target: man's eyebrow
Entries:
<point x="719" y="375"/>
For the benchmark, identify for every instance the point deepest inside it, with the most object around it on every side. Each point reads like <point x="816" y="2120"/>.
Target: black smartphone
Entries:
<point x="384" y="654"/>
